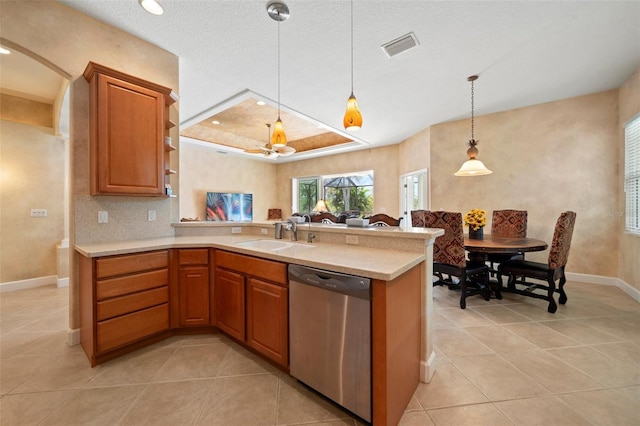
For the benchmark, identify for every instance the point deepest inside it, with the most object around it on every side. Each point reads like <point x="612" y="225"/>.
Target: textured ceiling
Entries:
<point x="526" y="53"/>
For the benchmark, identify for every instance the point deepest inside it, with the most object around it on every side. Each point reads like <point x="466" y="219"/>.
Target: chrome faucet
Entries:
<point x="310" y="236"/>
<point x="293" y="227"/>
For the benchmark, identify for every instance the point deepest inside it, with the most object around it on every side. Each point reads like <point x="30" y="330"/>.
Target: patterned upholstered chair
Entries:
<point x="449" y="256"/>
<point x="324" y="217"/>
<point x="550" y="272"/>
<point x="381" y="219"/>
<point x="507" y="223"/>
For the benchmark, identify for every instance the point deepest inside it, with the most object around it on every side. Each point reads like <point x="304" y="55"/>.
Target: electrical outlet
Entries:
<point x="264" y="231"/>
<point x="236" y="230"/>
<point x="151" y="215"/>
<point x="103" y="216"/>
<point x="38" y="212"/>
<point x="352" y="239"/>
<point x="383" y="209"/>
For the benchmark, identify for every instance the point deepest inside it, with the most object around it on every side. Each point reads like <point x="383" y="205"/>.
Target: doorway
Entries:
<point x="414" y="193"/>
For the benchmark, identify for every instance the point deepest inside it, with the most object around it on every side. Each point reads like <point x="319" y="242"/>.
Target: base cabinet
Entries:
<point x="123" y="301"/>
<point x="252" y="302"/>
<point x="193" y="287"/>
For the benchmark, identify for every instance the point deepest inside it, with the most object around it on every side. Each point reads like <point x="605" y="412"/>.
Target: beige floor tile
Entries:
<point x="578" y="330"/>
<point x="241" y="400"/>
<point x="552" y="373"/>
<point x="499" y="339"/>
<point x="601" y="367"/>
<point x="534" y="309"/>
<point x="457" y="342"/>
<point x="136" y="367"/>
<point x="11" y="323"/>
<point x="17" y="370"/>
<point x="604" y="407"/>
<point x="415" y="418"/>
<point x="540" y="411"/>
<point x="339" y="422"/>
<point x="239" y="361"/>
<point x="616" y="326"/>
<point x="591" y="291"/>
<point x="464" y="317"/>
<point x="96" y="407"/>
<point x="30" y="408"/>
<point x="71" y="372"/>
<point x="299" y="404"/>
<point x="496" y="378"/>
<point x="413" y="405"/>
<point x="469" y="415"/>
<point x="500" y="314"/>
<point x="626" y="352"/>
<point x="193" y="362"/>
<point x="175" y="403"/>
<point x="448" y="387"/>
<point x="200" y="339"/>
<point x="541" y="336"/>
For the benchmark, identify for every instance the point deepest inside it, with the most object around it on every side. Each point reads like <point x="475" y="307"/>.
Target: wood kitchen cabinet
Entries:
<point x="252" y="303"/>
<point x="193" y="288"/>
<point x="129" y="120"/>
<point x="124" y="303"/>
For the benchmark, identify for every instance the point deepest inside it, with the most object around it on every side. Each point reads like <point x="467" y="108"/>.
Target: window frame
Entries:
<point x="632" y="175"/>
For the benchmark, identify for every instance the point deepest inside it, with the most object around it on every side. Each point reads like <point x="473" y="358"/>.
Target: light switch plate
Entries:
<point x="151" y="215"/>
<point x="352" y="239"/>
<point x="264" y="231"/>
<point x="103" y="216"/>
<point x="236" y="230"/>
<point x="38" y="212"/>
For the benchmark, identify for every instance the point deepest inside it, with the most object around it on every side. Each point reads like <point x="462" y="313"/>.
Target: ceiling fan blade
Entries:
<point x="285" y="150"/>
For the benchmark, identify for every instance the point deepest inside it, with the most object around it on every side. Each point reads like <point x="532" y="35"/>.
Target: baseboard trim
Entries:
<point x="428" y="368"/>
<point x="29" y="283"/>
<point x="63" y="282"/>
<point x="73" y="337"/>
<point x="632" y="292"/>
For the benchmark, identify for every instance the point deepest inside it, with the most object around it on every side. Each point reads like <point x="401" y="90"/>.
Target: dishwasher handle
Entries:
<point x="332" y="281"/>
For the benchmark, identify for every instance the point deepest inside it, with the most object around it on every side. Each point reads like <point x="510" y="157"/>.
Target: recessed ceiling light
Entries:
<point x="216" y="122"/>
<point x="261" y="103"/>
<point x="4" y="51"/>
<point x="152" y="6"/>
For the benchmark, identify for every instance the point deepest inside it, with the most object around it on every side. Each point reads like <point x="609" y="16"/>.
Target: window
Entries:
<point x="350" y="193"/>
<point x="632" y="174"/>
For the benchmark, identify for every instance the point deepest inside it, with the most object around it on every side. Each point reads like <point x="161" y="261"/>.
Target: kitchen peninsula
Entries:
<point x="186" y="275"/>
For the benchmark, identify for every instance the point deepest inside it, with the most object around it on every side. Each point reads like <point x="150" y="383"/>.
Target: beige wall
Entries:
<point x="32" y="176"/>
<point x="383" y="161"/>
<point x="415" y="153"/>
<point x="67" y="40"/>
<point x="205" y="169"/>
<point x="22" y="110"/>
<point x="629" y="107"/>
<point x="546" y="159"/>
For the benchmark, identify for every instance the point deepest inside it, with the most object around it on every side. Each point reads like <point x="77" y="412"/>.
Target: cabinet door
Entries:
<point x="230" y="300"/>
<point x="268" y="320"/>
<point x="194" y="295"/>
<point x="129" y="156"/>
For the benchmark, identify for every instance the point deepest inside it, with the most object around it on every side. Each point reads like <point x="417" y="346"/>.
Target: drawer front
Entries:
<point x="131" y="284"/>
<point x="256" y="267"/>
<point x="131" y="303"/>
<point x="193" y="256"/>
<point x="131" y="263"/>
<point x="128" y="328"/>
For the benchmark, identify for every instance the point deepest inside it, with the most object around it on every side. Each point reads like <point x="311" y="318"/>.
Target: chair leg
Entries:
<point x="563" y="295"/>
<point x="552" y="303"/>
<point x="499" y="287"/>
<point x="487" y="287"/>
<point x="463" y="291"/>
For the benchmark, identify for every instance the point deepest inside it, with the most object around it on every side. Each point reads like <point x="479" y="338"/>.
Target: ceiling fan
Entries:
<point x="269" y="150"/>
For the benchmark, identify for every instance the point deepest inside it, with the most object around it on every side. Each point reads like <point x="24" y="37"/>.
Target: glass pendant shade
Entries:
<point x="278" y="138"/>
<point x="320" y="206"/>
<point x="473" y="167"/>
<point x="352" y="118"/>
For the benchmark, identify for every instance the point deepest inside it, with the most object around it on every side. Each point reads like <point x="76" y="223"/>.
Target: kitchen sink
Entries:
<point x="273" y="245"/>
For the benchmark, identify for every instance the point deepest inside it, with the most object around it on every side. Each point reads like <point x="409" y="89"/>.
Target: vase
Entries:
<point x="476" y="235"/>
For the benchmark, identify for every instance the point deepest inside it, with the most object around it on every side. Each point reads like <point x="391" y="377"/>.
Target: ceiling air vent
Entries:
<point x="400" y="44"/>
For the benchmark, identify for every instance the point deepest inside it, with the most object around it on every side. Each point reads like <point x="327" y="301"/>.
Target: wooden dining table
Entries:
<point x="479" y="249"/>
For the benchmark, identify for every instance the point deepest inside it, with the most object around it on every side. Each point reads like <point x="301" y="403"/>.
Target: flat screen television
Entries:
<point x="229" y="206"/>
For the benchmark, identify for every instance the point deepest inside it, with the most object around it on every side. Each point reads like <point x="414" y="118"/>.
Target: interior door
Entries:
<point x="414" y="193"/>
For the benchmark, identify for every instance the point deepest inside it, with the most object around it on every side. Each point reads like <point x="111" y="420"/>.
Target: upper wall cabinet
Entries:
<point x="129" y="120"/>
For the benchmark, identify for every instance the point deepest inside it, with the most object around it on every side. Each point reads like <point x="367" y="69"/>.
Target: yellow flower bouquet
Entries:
<point x="475" y="219"/>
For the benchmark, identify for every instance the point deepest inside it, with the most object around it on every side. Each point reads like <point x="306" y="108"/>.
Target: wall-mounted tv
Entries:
<point x="229" y="206"/>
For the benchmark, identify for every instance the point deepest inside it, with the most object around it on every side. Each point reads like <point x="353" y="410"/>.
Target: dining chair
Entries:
<point x="324" y="217"/>
<point x="507" y="223"/>
<point x="550" y="272"/>
<point x="381" y="219"/>
<point x="449" y="256"/>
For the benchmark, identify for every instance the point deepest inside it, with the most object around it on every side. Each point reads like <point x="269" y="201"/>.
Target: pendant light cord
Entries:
<point x="352" y="47"/>
<point x="278" y="70"/>
<point x="472" y="116"/>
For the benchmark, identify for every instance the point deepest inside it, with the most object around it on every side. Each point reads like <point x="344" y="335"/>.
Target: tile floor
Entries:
<point x="503" y="362"/>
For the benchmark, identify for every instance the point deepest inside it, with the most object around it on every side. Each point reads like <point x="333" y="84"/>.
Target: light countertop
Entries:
<point x="375" y="263"/>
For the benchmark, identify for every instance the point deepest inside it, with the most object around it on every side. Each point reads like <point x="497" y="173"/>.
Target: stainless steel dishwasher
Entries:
<point x="330" y="335"/>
